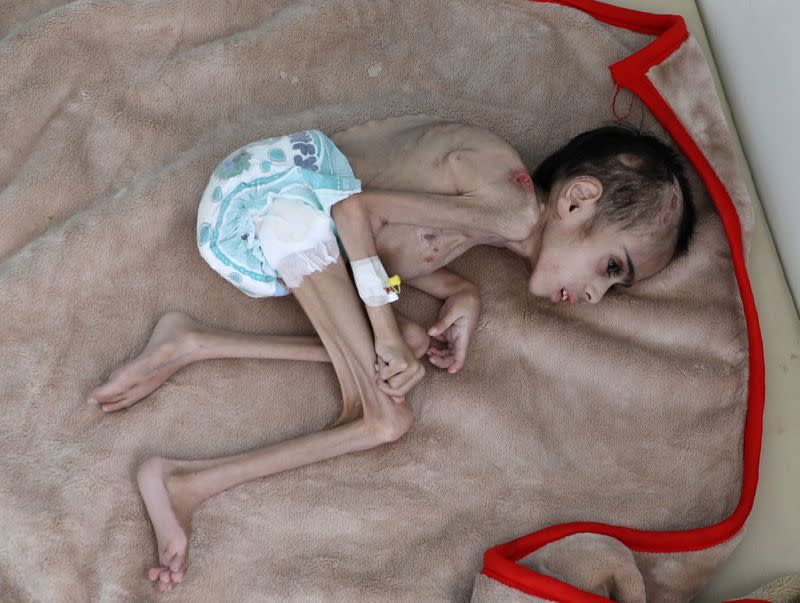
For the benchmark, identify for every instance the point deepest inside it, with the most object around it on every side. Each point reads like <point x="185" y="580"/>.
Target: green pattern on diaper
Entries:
<point x="309" y="169"/>
<point x="204" y="233"/>
<point x="234" y="166"/>
<point x="226" y="242"/>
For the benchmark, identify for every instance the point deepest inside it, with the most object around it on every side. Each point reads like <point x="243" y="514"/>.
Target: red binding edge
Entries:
<point x="500" y="562"/>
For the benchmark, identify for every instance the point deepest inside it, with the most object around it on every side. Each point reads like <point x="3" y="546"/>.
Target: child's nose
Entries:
<point x="593" y="294"/>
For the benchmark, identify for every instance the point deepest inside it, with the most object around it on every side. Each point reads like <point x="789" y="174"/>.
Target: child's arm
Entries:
<point x="402" y="370"/>
<point x="443" y="283"/>
<point x="458" y="316"/>
<point x="506" y="218"/>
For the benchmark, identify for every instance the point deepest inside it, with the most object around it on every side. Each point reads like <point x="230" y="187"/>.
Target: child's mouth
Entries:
<point x="562" y="295"/>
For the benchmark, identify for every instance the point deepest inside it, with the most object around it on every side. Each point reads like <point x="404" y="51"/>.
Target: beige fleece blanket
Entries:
<point x="113" y="116"/>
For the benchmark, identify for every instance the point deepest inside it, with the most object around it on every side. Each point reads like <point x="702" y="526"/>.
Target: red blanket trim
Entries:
<point x="500" y="562"/>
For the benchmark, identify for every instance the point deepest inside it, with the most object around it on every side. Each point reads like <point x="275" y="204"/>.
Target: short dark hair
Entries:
<point x="630" y="187"/>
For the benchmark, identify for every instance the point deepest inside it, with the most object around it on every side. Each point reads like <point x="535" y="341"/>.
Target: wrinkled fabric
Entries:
<point x="115" y="114"/>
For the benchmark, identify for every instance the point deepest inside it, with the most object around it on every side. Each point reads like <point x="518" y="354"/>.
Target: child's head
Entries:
<point x="617" y="209"/>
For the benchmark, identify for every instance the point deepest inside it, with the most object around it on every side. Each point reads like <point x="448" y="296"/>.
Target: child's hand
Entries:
<point x="458" y="318"/>
<point x="397" y="367"/>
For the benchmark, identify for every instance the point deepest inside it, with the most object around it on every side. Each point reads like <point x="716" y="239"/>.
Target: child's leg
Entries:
<point x="179" y="340"/>
<point x="171" y="488"/>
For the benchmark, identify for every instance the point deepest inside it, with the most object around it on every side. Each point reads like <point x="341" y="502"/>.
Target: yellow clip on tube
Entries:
<point x="394" y="283"/>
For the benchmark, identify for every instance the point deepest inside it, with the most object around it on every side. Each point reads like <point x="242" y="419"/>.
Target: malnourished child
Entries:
<point x="401" y="197"/>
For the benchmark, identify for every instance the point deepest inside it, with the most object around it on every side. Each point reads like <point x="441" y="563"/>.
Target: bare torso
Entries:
<point x="422" y="153"/>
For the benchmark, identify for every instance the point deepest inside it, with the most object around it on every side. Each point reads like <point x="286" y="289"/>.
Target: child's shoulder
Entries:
<point x="485" y="143"/>
<point x="484" y="134"/>
<point x="480" y="158"/>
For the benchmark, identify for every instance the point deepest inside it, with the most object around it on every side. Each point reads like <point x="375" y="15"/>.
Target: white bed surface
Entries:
<point x="756" y="53"/>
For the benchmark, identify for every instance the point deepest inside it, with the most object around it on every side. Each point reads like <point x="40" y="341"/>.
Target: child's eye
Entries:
<point x="613" y="268"/>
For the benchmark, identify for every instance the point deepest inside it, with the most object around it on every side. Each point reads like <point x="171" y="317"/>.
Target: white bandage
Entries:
<point x="296" y="240"/>
<point x="372" y="281"/>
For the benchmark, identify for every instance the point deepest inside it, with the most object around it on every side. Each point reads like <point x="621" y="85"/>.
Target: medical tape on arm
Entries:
<point x="373" y="284"/>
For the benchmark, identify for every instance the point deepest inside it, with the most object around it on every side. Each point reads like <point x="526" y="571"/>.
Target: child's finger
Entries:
<point x="445" y="353"/>
<point x="115" y="406"/>
<point x="399" y="381"/>
<point x="406" y="382"/>
<point x="460" y="355"/>
<point x="395" y="394"/>
<point x="388" y="389"/>
<point x="389" y="371"/>
<point x="440" y="362"/>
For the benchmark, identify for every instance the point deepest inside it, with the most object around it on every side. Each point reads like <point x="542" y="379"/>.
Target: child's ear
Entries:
<point x="578" y="196"/>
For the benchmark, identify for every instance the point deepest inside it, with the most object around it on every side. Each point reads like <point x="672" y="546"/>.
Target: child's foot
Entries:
<point x="169" y="349"/>
<point x="170" y="513"/>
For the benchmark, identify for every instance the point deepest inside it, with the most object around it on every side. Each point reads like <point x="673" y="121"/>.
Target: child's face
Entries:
<point x="573" y="268"/>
